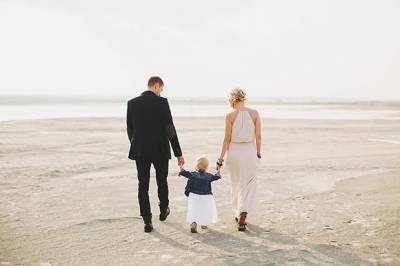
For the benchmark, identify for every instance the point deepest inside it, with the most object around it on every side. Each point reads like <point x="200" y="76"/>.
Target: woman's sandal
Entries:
<point x="242" y="222"/>
<point x="241" y="227"/>
<point x="193" y="227"/>
<point x="237" y="220"/>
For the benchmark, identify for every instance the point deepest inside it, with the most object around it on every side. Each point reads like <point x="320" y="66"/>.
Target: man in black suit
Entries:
<point x="151" y="130"/>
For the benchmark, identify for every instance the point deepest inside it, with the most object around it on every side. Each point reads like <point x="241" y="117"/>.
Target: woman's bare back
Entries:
<point x="253" y="113"/>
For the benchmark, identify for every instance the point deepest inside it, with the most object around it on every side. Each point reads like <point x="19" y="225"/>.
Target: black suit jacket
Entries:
<point x="150" y="128"/>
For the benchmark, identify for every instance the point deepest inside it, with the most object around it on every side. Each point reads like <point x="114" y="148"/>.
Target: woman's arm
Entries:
<point x="227" y="138"/>
<point x="258" y="134"/>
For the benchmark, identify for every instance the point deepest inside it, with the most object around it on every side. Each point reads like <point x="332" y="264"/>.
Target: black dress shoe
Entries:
<point x="164" y="214"/>
<point x="193" y="227"/>
<point x="148" y="226"/>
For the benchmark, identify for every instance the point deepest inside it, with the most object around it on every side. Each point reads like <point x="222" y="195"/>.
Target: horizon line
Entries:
<point x="87" y="98"/>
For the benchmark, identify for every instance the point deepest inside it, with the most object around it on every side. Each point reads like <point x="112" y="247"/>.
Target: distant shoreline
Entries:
<point x="178" y="119"/>
<point x="26" y="108"/>
<point x="86" y="99"/>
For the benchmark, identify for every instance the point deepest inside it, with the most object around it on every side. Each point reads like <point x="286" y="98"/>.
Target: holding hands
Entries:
<point x="220" y="163"/>
<point x="181" y="161"/>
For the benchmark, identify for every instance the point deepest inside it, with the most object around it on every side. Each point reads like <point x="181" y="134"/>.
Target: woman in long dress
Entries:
<point x="242" y="144"/>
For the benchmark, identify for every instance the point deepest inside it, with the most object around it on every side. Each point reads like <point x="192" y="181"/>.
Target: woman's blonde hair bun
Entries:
<point x="237" y="95"/>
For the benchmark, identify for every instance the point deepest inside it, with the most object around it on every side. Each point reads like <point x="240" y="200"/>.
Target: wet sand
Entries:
<point x="328" y="193"/>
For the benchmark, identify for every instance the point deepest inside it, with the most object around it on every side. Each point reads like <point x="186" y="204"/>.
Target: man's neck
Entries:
<point x="153" y="91"/>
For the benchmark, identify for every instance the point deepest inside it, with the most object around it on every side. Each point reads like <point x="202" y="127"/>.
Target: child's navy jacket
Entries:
<point x="199" y="182"/>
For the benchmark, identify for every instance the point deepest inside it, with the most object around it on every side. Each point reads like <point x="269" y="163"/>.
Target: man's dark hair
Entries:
<point x="153" y="80"/>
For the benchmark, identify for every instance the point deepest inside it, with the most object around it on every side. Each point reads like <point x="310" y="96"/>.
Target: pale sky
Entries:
<point x="320" y="48"/>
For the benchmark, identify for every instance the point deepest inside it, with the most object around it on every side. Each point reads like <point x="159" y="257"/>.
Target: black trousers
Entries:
<point x="143" y="170"/>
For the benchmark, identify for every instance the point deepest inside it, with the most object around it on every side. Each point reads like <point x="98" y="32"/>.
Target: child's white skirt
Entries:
<point x="201" y="209"/>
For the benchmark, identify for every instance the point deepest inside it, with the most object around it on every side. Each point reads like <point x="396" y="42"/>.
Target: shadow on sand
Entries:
<point x="260" y="246"/>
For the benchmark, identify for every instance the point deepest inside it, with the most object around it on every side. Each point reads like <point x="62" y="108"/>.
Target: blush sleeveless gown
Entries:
<point x="242" y="163"/>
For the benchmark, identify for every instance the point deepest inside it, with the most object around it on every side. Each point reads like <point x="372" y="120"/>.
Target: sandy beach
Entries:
<point x="328" y="194"/>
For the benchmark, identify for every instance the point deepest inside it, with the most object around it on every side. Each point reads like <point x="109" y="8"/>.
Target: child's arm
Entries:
<point x="185" y="173"/>
<point x="217" y="175"/>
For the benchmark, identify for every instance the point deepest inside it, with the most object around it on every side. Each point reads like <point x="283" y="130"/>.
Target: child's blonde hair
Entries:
<point x="202" y="163"/>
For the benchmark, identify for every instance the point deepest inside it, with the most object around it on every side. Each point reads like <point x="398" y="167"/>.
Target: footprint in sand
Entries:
<point x="328" y="228"/>
<point x="355" y="243"/>
<point x="144" y="251"/>
<point x="200" y="258"/>
<point x="166" y="257"/>
<point x="370" y="233"/>
<point x="387" y="260"/>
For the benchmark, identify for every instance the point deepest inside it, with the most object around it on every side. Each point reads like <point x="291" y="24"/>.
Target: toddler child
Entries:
<point x="201" y="205"/>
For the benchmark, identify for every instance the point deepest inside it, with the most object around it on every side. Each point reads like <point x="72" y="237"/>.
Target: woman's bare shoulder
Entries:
<point x="253" y="112"/>
<point x="231" y="115"/>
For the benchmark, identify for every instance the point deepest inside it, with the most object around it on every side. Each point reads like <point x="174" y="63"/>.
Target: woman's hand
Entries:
<point x="218" y="171"/>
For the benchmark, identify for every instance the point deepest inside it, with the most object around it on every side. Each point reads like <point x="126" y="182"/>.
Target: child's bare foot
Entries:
<point x="204" y="227"/>
<point x="193" y="227"/>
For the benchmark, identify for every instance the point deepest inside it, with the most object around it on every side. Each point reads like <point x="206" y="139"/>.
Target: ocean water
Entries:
<point x="331" y="111"/>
